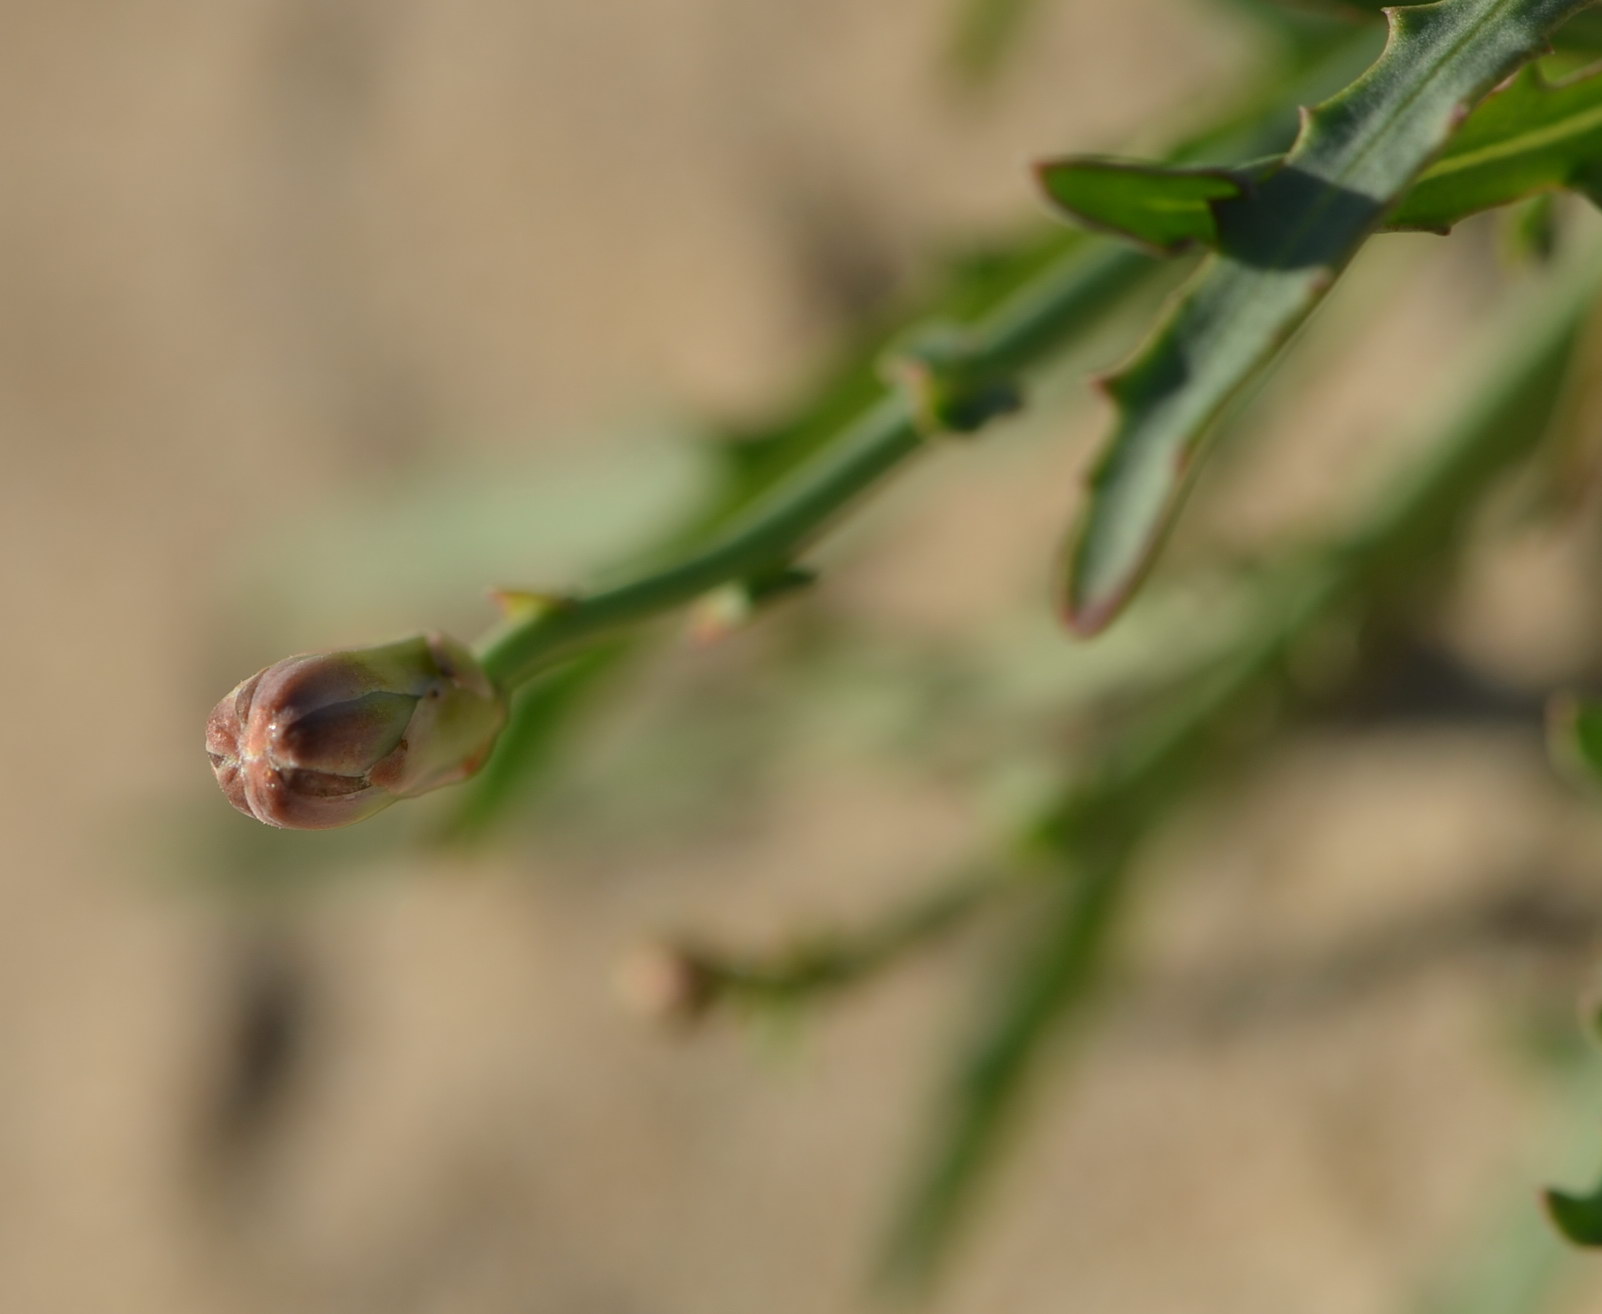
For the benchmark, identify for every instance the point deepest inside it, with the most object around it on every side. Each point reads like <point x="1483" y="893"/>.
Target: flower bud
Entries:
<point x="329" y="738"/>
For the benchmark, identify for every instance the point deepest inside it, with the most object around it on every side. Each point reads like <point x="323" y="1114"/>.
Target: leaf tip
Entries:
<point x="1087" y="607"/>
<point x="1047" y="172"/>
<point x="1084" y="619"/>
<point x="1112" y="384"/>
<point x="1578" y="1218"/>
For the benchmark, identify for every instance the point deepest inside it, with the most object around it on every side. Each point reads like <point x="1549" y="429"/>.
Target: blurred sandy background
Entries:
<point x="317" y="317"/>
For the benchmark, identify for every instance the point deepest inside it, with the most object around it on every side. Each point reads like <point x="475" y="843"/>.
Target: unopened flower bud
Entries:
<point x="329" y="738"/>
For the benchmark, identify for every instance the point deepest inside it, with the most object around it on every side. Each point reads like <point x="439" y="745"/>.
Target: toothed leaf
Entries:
<point x="1281" y="246"/>
<point x="1531" y="136"/>
<point x="1582" y="34"/>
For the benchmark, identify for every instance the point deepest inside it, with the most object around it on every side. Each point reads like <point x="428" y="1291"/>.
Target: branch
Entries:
<point x="943" y="373"/>
<point x="1101" y="822"/>
<point x="945" y="379"/>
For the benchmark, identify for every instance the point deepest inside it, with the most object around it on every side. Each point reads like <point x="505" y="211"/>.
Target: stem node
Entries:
<point x="949" y="385"/>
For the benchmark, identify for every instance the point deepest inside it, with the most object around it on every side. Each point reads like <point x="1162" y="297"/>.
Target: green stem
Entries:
<point x="1018" y="333"/>
<point x="1025" y="329"/>
<point x="1102" y="821"/>
<point x="1411" y="527"/>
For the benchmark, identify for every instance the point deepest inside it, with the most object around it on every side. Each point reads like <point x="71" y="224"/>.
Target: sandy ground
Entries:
<point x="268" y="266"/>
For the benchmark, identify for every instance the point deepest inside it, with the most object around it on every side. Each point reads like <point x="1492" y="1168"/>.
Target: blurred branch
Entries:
<point x="953" y="381"/>
<point x="1414" y="528"/>
<point x="1094" y="833"/>
<point x="681" y="981"/>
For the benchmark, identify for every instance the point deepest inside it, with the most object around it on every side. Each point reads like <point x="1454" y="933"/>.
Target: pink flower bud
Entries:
<point x="323" y="740"/>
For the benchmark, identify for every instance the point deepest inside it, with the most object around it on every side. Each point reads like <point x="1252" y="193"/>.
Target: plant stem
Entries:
<point x="1024" y="330"/>
<point x="1018" y="333"/>
<point x="1097" y="828"/>
<point x="1410" y="529"/>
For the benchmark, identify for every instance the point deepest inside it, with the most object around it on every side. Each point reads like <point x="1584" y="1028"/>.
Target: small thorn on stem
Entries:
<point x="731" y="608"/>
<point x="949" y="387"/>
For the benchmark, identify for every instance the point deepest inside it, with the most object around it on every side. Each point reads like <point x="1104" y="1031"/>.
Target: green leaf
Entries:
<point x="1281" y="247"/>
<point x="1530" y="136"/>
<point x="1529" y="234"/>
<point x="1581" y="34"/>
<point x="1160" y="208"/>
<point x="1578" y="1217"/>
